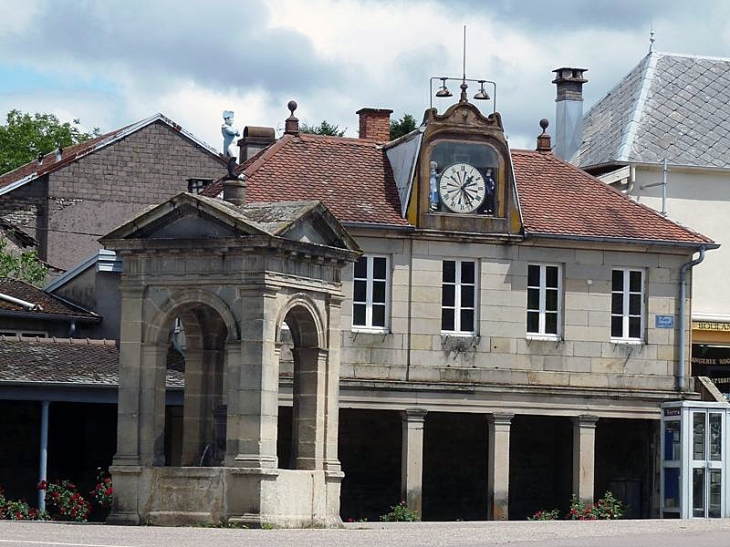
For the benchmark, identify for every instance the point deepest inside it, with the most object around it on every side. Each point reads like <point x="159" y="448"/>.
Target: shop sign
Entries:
<point x="672" y="411"/>
<point x="664" y="322"/>
<point x="710" y="361"/>
<point x="710" y="325"/>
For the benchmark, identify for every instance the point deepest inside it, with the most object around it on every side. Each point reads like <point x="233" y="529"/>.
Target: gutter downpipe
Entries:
<point x="683" y="319"/>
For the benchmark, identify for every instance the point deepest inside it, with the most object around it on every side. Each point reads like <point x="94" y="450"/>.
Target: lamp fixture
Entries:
<point x="443" y="90"/>
<point x="482" y="94"/>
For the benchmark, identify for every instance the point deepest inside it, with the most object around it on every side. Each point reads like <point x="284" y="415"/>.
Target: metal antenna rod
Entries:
<point x="464" y="57"/>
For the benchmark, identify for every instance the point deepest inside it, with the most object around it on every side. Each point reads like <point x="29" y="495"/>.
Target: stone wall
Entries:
<point x="502" y="353"/>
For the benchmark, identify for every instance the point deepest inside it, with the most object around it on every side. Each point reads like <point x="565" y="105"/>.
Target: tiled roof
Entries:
<point x="559" y="199"/>
<point x="352" y="177"/>
<point x="667" y="98"/>
<point x="33" y="170"/>
<point x="64" y="361"/>
<point x="47" y="304"/>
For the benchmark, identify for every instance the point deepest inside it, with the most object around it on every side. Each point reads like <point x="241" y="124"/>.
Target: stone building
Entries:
<point x="69" y="198"/>
<point x="505" y="339"/>
<point x="660" y="136"/>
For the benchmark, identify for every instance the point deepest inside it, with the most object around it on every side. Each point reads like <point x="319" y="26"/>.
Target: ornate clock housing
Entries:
<point x="462" y="188"/>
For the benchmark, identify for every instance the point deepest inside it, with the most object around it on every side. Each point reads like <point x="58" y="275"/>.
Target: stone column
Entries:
<point x="308" y="413"/>
<point x="498" y="487"/>
<point x="254" y="402"/>
<point x="584" y="456"/>
<point x="412" y="458"/>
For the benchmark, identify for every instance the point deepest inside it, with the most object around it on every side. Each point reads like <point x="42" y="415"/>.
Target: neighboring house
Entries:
<point x="666" y="121"/>
<point x="69" y="198"/>
<point x="522" y="324"/>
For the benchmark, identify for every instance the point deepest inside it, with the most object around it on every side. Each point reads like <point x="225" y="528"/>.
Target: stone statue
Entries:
<point x="229" y="134"/>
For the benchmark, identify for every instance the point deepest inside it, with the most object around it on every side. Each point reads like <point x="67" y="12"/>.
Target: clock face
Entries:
<point x="462" y="188"/>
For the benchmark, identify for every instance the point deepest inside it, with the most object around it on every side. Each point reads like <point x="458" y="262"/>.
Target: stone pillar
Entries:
<point x="192" y="409"/>
<point x="332" y="467"/>
<point x="308" y="415"/>
<point x="411" y="481"/>
<point x="584" y="456"/>
<point x="254" y="399"/>
<point x="152" y="404"/>
<point x="498" y="486"/>
<point x="130" y="361"/>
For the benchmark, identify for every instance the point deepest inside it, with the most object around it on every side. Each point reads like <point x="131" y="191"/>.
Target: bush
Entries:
<point x="606" y="508"/>
<point x="17" y="509"/>
<point x="401" y="513"/>
<point x="553" y="514"/>
<point x="63" y="502"/>
<point x="103" y="492"/>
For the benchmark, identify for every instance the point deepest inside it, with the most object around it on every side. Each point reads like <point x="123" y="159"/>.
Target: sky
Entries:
<point x="111" y="63"/>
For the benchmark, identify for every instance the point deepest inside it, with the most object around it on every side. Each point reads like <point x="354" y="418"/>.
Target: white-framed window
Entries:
<point x="459" y="296"/>
<point x="627" y="304"/>
<point x="370" y="293"/>
<point x="544" y="300"/>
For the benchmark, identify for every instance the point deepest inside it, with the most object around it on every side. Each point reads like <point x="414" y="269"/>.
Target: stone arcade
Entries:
<point x="234" y="277"/>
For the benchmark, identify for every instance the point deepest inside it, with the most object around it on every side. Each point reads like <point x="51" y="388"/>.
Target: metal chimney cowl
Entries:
<point x="568" y="111"/>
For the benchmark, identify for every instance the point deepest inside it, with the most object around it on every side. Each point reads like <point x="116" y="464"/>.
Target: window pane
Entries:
<point x="533" y="322"/>
<point x="634" y="327"/>
<point x="379" y="291"/>
<point x="551" y="323"/>
<point x="358" y="314"/>
<point x="467" y="320"/>
<point x="617" y="280"/>
<point x="551" y="300"/>
<point x="715" y="436"/>
<point x="449" y="271"/>
<point x="379" y="268"/>
<point x="698" y="435"/>
<point x="635" y="281"/>
<point x="698" y="492"/>
<point x="361" y="267"/>
<point x="467" y="297"/>
<point x="533" y="299"/>
<point x="617" y="327"/>
<point x="378" y="316"/>
<point x="448" y="297"/>
<point x="467" y="272"/>
<point x="533" y="276"/>
<point x="617" y="304"/>
<point x="551" y="276"/>
<point x="447" y="319"/>
<point x="360" y="290"/>
<point x="634" y="304"/>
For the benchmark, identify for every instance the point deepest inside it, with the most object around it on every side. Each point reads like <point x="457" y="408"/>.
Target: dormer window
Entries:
<point x="464" y="178"/>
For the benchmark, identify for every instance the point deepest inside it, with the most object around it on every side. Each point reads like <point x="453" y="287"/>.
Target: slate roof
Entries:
<point x="64" y="361"/>
<point x="47" y="304"/>
<point x="352" y="177"/>
<point x="684" y="97"/>
<point x="559" y="200"/>
<point x="33" y="170"/>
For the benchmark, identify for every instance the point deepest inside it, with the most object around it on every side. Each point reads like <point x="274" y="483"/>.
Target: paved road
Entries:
<point x="638" y="533"/>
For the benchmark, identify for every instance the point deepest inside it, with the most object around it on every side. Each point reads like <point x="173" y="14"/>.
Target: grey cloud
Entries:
<point x="218" y="45"/>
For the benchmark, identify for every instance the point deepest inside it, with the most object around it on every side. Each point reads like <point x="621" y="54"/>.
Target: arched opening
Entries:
<point x="302" y="359"/>
<point x="191" y="342"/>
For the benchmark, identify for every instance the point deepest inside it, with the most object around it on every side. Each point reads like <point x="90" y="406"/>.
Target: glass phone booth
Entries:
<point x="694" y="460"/>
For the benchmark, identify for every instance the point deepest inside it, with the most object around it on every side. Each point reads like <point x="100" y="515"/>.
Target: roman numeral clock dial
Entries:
<point x="462" y="188"/>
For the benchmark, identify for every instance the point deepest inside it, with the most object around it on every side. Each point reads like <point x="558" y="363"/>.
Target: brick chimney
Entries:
<point x="375" y="123"/>
<point x="543" y="140"/>
<point x="254" y="140"/>
<point x="568" y="111"/>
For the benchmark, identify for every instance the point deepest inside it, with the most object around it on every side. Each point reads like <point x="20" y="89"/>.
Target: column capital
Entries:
<point x="414" y="414"/>
<point x="585" y="421"/>
<point x="500" y="418"/>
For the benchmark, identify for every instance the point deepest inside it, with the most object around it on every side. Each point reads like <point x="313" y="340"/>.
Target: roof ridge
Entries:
<point x="627" y="141"/>
<point x="55" y="340"/>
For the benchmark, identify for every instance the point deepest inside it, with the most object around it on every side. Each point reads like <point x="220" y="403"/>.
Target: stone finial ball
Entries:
<point x="292" y="106"/>
<point x="544" y="123"/>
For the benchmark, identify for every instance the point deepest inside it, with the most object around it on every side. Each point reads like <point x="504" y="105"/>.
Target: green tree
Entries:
<point x="22" y="265"/>
<point x="325" y="128"/>
<point x="25" y="136"/>
<point x="401" y="127"/>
